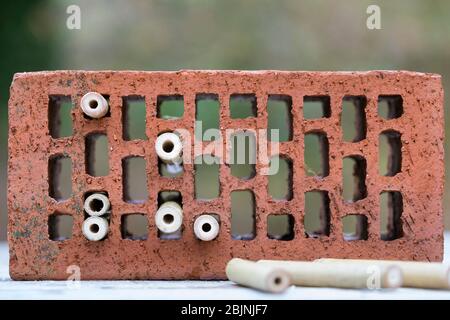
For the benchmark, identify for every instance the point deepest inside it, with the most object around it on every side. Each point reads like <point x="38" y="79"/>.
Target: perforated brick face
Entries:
<point x="413" y="181"/>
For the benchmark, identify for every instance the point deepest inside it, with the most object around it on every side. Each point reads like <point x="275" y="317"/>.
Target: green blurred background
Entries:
<point x="232" y="34"/>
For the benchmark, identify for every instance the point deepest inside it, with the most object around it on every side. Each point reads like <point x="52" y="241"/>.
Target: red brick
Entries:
<point x="34" y="256"/>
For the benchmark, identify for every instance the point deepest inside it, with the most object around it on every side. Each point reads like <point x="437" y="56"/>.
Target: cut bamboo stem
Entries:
<point x="94" y="105"/>
<point x="257" y="276"/>
<point x="95" y="228"/>
<point x="206" y="227"/>
<point x="96" y="205"/>
<point x="169" y="217"/>
<point x="339" y="275"/>
<point x="416" y="274"/>
<point x="169" y="148"/>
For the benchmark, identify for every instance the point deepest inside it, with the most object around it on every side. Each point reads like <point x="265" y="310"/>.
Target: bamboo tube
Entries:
<point x="416" y="274"/>
<point x="169" y="217"/>
<point x="206" y="227"/>
<point x="94" y="105"/>
<point x="169" y="148"/>
<point x="96" y="204"/>
<point x="257" y="276"/>
<point x="339" y="275"/>
<point x="95" y="228"/>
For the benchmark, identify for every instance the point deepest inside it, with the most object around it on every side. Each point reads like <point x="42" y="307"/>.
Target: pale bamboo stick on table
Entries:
<point x="258" y="276"/>
<point x="416" y="274"/>
<point x="338" y="275"/>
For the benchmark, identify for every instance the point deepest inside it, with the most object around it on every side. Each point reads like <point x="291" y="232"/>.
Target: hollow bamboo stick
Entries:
<point x="258" y="276"/>
<point x="339" y="275"/>
<point x="416" y="274"/>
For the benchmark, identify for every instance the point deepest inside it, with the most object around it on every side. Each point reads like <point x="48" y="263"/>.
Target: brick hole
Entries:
<point x="316" y="107"/>
<point x="354" y="227"/>
<point x="391" y="209"/>
<point x="134" y="179"/>
<point x="134" y="118"/>
<point x="389" y="153"/>
<point x="242" y="106"/>
<point x="390" y="106"/>
<point x="317" y="214"/>
<point x="170" y="106"/>
<point x="354" y="178"/>
<point x="60" y="177"/>
<point x="60" y="121"/>
<point x="170" y="195"/>
<point x="97" y="205"/>
<point x="207" y="111"/>
<point x="243" y="224"/>
<point x="280" y="183"/>
<point x="177" y="235"/>
<point x="164" y="196"/>
<point x="243" y="155"/>
<point x="60" y="226"/>
<point x="134" y="226"/>
<point x="97" y="154"/>
<point x="353" y="118"/>
<point x="93" y="104"/>
<point x="280" y="227"/>
<point x="316" y="154"/>
<point x="279" y="117"/>
<point x="207" y="183"/>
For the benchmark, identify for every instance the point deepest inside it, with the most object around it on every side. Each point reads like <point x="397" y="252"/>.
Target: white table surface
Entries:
<point x="189" y="289"/>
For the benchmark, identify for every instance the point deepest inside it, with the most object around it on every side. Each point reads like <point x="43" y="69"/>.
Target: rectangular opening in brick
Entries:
<point x="391" y="209"/>
<point x="242" y="106"/>
<point x="60" y="177"/>
<point x="60" y="226"/>
<point x="134" y="118"/>
<point x="316" y="154"/>
<point x="390" y="106"/>
<point x="317" y="214"/>
<point x="206" y="182"/>
<point x="316" y="107"/>
<point x="243" y="224"/>
<point x="354" y="178"/>
<point x="108" y="114"/>
<point x="134" y="226"/>
<point x="280" y="227"/>
<point x="279" y="115"/>
<point x="134" y="177"/>
<point x="354" y="227"/>
<point x="170" y="195"/>
<point x="243" y="155"/>
<point x="177" y="235"/>
<point x="97" y="154"/>
<point x="280" y="182"/>
<point x="60" y="123"/>
<point x="207" y="116"/>
<point x="353" y="118"/>
<point x="389" y="153"/>
<point x="170" y="106"/>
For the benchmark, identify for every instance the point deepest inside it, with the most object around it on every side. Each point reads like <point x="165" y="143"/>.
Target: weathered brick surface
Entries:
<point x="34" y="256"/>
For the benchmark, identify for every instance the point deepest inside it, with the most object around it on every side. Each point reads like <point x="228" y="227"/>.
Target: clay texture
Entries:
<point x="34" y="256"/>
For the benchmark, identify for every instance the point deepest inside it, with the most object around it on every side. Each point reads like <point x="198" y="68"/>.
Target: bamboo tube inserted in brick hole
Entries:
<point x="258" y="276"/>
